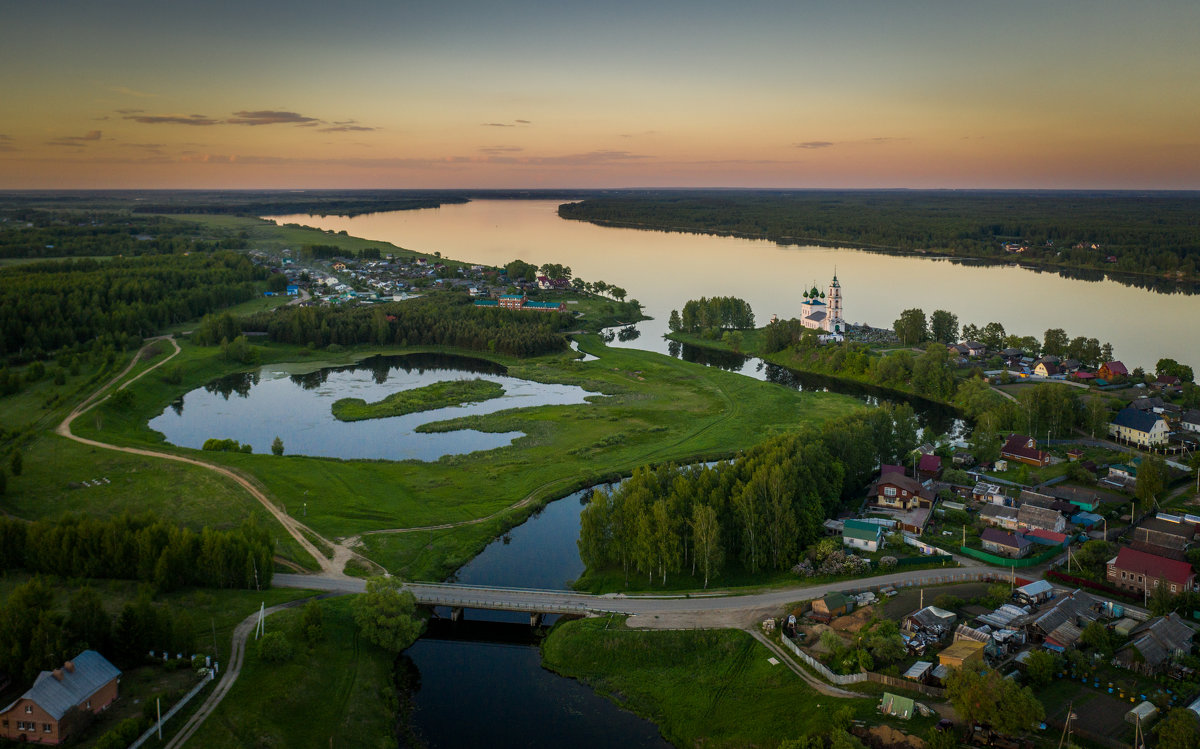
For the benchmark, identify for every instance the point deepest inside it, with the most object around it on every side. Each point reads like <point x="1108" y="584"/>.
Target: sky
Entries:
<point x="1086" y="94"/>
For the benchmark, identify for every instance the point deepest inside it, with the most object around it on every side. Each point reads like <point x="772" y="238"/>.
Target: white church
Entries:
<point x="823" y="311"/>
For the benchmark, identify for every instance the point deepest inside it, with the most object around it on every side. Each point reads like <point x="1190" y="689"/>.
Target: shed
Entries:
<point x="1035" y="592"/>
<point x="896" y="706"/>
<point x="919" y="670"/>
<point x="961" y="653"/>
<point x="1124" y="626"/>
<point x="833" y="604"/>
<point x="1146" y="712"/>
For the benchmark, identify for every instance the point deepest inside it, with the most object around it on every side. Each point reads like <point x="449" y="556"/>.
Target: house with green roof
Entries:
<point x="862" y="534"/>
<point x="896" y="706"/>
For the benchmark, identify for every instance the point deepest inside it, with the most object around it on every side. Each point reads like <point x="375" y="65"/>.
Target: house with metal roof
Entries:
<point x="1007" y="544"/>
<point x="87" y="682"/>
<point x="1024" y="449"/>
<point x="1141" y="572"/>
<point x="896" y="706"/>
<point x="999" y="516"/>
<point x="1032" y="517"/>
<point x="862" y="535"/>
<point x="1154" y="644"/>
<point x="1142" y="428"/>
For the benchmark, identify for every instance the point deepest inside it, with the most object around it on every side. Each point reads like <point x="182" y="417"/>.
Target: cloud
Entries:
<point x="497" y="150"/>
<point x="173" y="119"/>
<point x="269" y="117"/>
<point x="815" y="144"/>
<point x="523" y="122"/>
<point x="348" y="129"/>
<point x="131" y="92"/>
<point x="5" y="137"/>
<point x="75" y="140"/>
<point x="591" y="158"/>
<point x="514" y="123"/>
<point x="129" y="111"/>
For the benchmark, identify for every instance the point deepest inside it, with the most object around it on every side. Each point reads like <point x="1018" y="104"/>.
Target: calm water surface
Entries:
<point x="664" y="270"/>
<point x="255" y="407"/>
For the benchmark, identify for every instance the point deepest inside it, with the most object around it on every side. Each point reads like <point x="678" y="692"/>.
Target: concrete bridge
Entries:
<point x="665" y="607"/>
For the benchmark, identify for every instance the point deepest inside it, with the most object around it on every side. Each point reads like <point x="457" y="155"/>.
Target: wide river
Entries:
<point x="664" y="270"/>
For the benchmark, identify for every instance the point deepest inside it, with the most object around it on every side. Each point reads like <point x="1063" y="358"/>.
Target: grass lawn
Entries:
<point x="339" y="693"/>
<point x="649" y="408"/>
<point x="709" y="687"/>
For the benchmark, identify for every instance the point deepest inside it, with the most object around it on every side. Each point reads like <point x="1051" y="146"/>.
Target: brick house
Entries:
<point x="1141" y="572"/>
<point x="1024" y="450"/>
<point x="87" y="682"/>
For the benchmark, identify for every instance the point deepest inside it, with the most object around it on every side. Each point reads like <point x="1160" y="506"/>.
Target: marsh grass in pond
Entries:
<point x="255" y="407"/>
<point x="427" y="398"/>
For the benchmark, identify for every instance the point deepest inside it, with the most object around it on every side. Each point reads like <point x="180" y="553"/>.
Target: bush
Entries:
<point x="123" y="735"/>
<point x="274" y="647"/>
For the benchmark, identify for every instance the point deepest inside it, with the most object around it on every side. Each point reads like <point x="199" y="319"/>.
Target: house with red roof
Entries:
<point x="1141" y="572"/>
<point x="1111" y="370"/>
<point x="1024" y="450"/>
<point x="930" y="466"/>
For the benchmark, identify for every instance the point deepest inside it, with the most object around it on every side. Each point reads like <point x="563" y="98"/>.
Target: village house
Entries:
<point x="831" y="605"/>
<point x="1034" y="593"/>
<point x="1031" y="517"/>
<point x="931" y="621"/>
<point x="895" y="490"/>
<point x="860" y="534"/>
<point x="1046" y="369"/>
<point x="999" y="516"/>
<point x="1046" y="501"/>
<point x="929" y="467"/>
<point x="1165" y="535"/>
<point x="1155" y="643"/>
<point x="1005" y="544"/>
<point x="1142" y="428"/>
<point x="1112" y="370"/>
<point x="990" y="493"/>
<point x="1142" y="572"/>
<point x="1024" y="450"/>
<point x="1084" y="499"/>
<point x="87" y="682"/>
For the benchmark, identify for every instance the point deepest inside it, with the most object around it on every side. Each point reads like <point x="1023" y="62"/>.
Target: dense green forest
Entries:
<point x="762" y="509"/>
<point x="53" y="305"/>
<point x="139" y="548"/>
<point x="1145" y="233"/>
<point x="34" y="233"/>
<point x="432" y="320"/>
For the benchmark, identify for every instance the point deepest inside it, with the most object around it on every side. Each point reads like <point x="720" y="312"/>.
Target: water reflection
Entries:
<point x="296" y="406"/>
<point x="479" y="683"/>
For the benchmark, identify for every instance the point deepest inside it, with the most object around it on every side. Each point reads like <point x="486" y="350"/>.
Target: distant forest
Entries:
<point x="1145" y="233"/>
<point x="36" y="233"/>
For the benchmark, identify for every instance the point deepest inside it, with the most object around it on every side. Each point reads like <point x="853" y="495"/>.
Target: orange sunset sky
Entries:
<point x="1067" y="94"/>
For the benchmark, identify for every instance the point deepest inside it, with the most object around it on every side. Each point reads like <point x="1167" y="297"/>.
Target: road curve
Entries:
<point x="330" y="568"/>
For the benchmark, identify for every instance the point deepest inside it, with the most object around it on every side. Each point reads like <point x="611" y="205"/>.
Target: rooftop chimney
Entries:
<point x="69" y="666"/>
<point x="58" y="674"/>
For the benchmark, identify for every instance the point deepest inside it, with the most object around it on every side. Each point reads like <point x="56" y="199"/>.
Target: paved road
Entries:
<point x="564" y="602"/>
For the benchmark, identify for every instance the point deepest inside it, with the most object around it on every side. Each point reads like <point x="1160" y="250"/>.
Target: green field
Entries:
<point x="648" y="408"/>
<point x="710" y="688"/>
<point x="339" y="693"/>
<point x="428" y="398"/>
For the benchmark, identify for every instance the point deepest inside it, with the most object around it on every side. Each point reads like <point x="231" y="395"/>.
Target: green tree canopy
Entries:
<point x="386" y="614"/>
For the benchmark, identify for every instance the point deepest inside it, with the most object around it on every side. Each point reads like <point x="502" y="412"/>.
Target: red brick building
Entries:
<point x="88" y="682"/>
<point x="1140" y="572"/>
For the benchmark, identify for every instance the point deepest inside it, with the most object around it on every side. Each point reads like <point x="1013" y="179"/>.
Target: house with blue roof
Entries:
<point x="87" y="682"/>
<point x="1141" y="428"/>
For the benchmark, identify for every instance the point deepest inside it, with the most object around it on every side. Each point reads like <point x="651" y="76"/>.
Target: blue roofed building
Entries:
<point x="1141" y="428"/>
<point x="87" y="682"/>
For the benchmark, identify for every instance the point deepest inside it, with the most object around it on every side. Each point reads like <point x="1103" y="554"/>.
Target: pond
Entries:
<point x="294" y="402"/>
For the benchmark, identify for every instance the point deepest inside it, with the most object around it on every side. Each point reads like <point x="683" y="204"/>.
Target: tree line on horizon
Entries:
<point x="1155" y="234"/>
